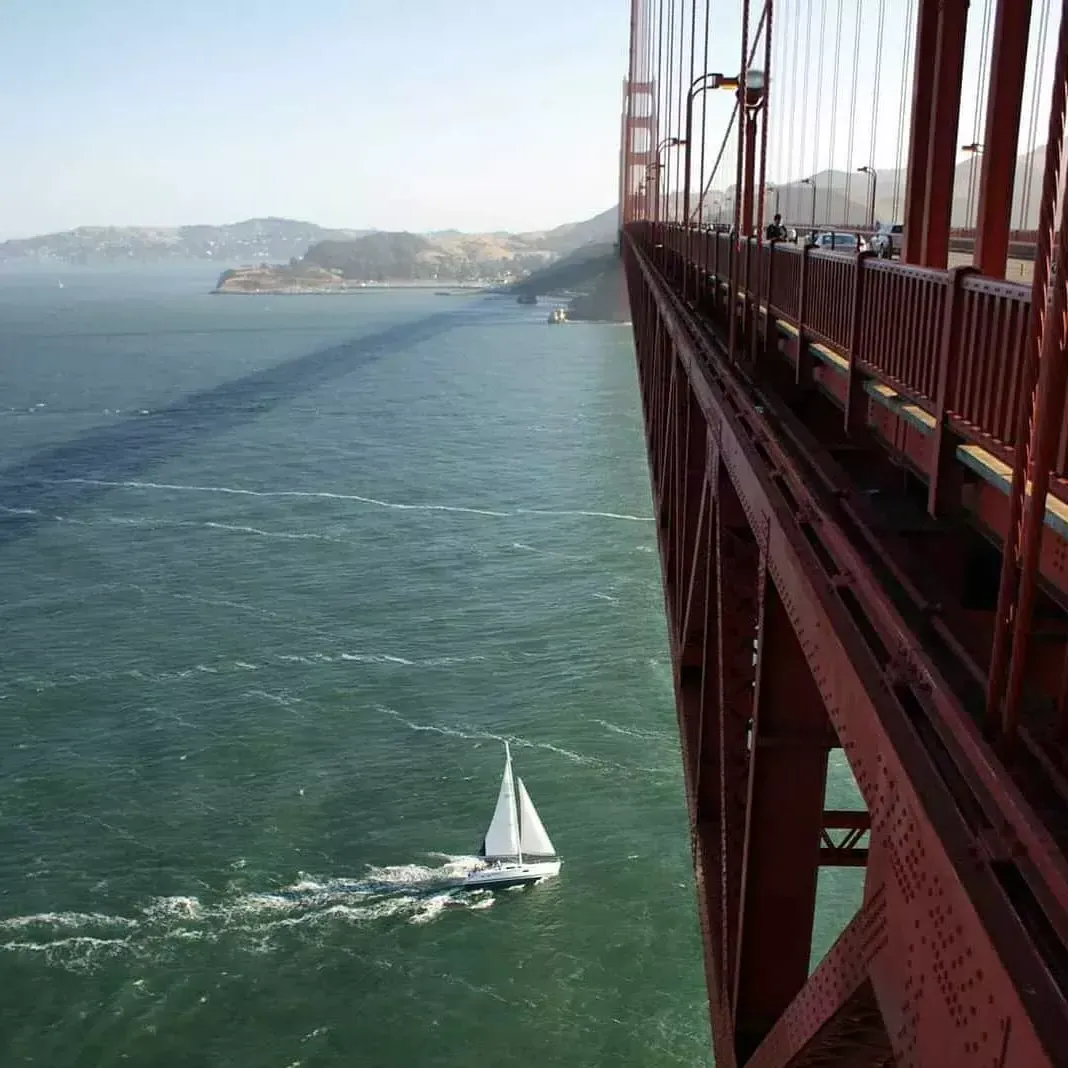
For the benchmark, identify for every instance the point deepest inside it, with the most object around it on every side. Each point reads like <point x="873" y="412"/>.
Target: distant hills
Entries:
<point x="450" y="255"/>
<point x="371" y="254"/>
<point x="842" y="197"/>
<point x="251" y="241"/>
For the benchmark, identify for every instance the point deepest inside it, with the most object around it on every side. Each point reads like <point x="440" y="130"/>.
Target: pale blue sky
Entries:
<point x="415" y="114"/>
<point x="410" y="114"/>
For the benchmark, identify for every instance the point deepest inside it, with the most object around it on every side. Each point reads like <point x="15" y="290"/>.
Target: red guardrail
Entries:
<point x="893" y="319"/>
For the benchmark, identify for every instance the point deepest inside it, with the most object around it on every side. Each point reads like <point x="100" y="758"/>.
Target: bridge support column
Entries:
<point x="1008" y="64"/>
<point x="790" y="740"/>
<point x="941" y="27"/>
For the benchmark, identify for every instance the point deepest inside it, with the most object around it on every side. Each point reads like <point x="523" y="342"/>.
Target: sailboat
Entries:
<point x="517" y="848"/>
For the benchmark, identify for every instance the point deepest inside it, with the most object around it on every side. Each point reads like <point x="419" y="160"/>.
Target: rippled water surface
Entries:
<point x="277" y="577"/>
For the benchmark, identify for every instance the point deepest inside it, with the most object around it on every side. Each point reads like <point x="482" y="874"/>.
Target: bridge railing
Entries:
<point x="951" y="341"/>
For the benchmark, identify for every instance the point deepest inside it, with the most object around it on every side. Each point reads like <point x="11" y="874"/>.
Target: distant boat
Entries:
<point x="557" y="315"/>
<point x="59" y="285"/>
<point x="517" y="848"/>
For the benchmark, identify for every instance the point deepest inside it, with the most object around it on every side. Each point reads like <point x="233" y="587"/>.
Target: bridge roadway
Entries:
<point x="831" y="442"/>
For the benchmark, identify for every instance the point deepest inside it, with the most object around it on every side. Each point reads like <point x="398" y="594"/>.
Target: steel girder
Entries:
<point x="784" y="646"/>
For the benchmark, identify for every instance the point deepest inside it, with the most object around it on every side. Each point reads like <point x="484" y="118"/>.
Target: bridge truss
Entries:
<point x="860" y="478"/>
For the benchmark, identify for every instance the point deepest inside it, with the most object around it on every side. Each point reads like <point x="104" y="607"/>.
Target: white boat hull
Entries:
<point x="504" y="873"/>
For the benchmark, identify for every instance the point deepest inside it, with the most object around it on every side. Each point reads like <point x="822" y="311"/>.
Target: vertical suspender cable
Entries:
<point x="762" y="178"/>
<point x="669" y="126"/>
<point x="980" y="99"/>
<point x="727" y="134"/>
<point x="834" y="116"/>
<point x="906" y="63"/>
<point x="853" y="111"/>
<point x="659" y="107"/>
<point x="1032" y="135"/>
<point x="819" y="92"/>
<point x="704" y="115"/>
<point x="878" y="78"/>
<point x="688" y="178"/>
<point x="791" y="174"/>
<point x="803" y="130"/>
<point x="737" y="213"/>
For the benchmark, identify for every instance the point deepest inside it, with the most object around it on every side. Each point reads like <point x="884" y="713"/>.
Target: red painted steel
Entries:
<point x="942" y="145"/>
<point x="1008" y="66"/>
<point x="916" y="178"/>
<point x="936" y="869"/>
<point x="838" y="447"/>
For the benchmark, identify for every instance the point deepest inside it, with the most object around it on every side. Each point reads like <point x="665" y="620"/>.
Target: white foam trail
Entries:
<point x="322" y="494"/>
<point x="65" y="920"/>
<point x="583" y="512"/>
<point x="282" y="534"/>
<point x="633" y="732"/>
<point x="276" y="698"/>
<point x="179" y="487"/>
<point x="416" y="893"/>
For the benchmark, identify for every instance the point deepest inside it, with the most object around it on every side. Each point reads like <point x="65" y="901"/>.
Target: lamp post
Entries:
<point x="873" y="175"/>
<point x="658" y="165"/>
<point x="700" y="84"/>
<point x="812" y="182"/>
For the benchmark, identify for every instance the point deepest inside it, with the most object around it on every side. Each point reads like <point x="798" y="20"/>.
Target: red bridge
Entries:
<point x="860" y="473"/>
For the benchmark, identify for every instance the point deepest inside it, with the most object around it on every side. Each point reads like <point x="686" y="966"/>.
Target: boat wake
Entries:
<point x="309" y="910"/>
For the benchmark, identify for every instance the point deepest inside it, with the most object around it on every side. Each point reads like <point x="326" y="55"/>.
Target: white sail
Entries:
<point x="533" y="838"/>
<point x="502" y="838"/>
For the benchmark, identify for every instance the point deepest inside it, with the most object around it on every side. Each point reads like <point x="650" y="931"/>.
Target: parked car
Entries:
<point x="887" y="239"/>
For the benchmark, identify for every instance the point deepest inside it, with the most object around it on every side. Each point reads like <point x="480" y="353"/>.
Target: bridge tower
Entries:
<point x="859" y="474"/>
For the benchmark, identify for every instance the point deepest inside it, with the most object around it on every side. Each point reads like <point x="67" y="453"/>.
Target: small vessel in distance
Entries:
<point x="516" y="848"/>
<point x="557" y="315"/>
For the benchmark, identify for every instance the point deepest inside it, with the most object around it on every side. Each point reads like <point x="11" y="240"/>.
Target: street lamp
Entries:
<point x="657" y="166"/>
<point x="871" y="173"/>
<point x="700" y="84"/>
<point x="812" y="182"/>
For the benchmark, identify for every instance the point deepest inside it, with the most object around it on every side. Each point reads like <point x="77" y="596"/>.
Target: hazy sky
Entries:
<point x="411" y="114"/>
<point x="415" y="114"/>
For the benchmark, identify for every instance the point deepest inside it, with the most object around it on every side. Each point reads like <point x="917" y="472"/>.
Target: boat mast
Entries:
<point x="515" y="801"/>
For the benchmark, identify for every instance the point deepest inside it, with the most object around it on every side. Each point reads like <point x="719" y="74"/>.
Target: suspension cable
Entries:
<point x="878" y="79"/>
<point x="834" y="109"/>
<point x="853" y="110"/>
<point x="1032" y="134"/>
<point x="794" y="94"/>
<point x="980" y="96"/>
<point x="910" y="34"/>
<point x="734" y="114"/>
<point x="704" y="123"/>
<point x="819" y="88"/>
<point x="762" y="178"/>
<point x="803" y="129"/>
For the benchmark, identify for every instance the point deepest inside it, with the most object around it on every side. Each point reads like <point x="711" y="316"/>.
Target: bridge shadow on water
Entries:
<point x="44" y="484"/>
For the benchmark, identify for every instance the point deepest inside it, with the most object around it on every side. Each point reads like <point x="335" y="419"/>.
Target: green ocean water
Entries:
<point x="277" y="578"/>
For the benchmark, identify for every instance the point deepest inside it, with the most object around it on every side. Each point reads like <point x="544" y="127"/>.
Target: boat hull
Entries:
<point x="499" y="876"/>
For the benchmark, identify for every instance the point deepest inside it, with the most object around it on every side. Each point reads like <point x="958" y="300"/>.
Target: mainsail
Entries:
<point x="533" y="839"/>
<point x="502" y="838"/>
